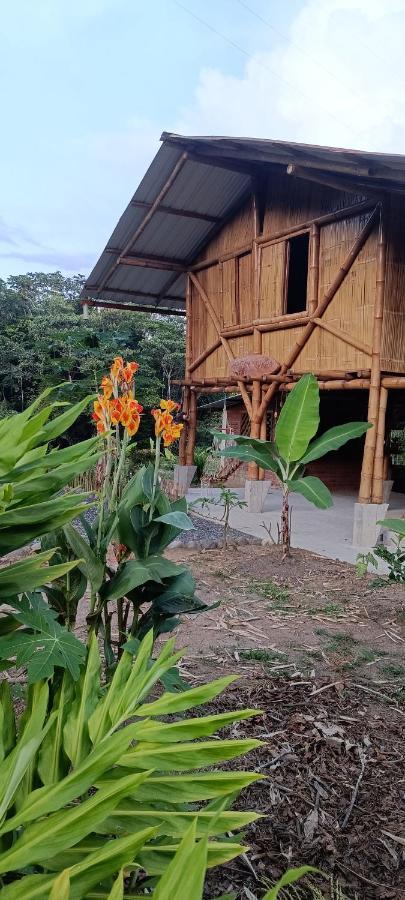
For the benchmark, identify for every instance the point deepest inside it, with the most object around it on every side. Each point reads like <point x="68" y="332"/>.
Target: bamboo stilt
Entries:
<point x="256" y="419"/>
<point x="367" y="469"/>
<point x="192" y="426"/>
<point x="184" y="433"/>
<point x="378" y="474"/>
<point x="263" y="437"/>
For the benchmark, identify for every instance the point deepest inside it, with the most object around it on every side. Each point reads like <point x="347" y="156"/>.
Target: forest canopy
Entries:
<point x="46" y="340"/>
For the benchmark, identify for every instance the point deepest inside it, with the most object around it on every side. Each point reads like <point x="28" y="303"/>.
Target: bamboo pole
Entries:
<point x="204" y="355"/>
<point x="394" y="381"/>
<point x="357" y="384"/>
<point x="375" y="378"/>
<point x="324" y="303"/>
<point x="189" y="332"/>
<point x="217" y="325"/>
<point x="378" y="473"/>
<point x="132" y="307"/>
<point x="314" y="268"/>
<point x="237" y="331"/>
<point x="184" y="433"/>
<point x="347" y="212"/>
<point x="192" y="426"/>
<point x="343" y="336"/>
<point x="282" y="319"/>
<point x="256" y="418"/>
<point x="263" y="436"/>
<point x="294" y="322"/>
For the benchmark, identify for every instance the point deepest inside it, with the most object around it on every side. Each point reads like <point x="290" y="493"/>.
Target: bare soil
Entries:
<point x="321" y="653"/>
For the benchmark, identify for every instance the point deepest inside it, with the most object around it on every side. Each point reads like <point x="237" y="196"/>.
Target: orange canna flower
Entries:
<point x="107" y="387"/>
<point x="129" y="371"/>
<point x="169" y="405"/>
<point x="117" y="366"/>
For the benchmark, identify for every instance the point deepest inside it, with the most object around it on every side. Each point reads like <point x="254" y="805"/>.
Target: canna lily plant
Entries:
<point x="294" y="447"/>
<point x="144" y="590"/>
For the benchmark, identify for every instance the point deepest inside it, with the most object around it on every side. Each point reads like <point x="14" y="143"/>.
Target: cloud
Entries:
<point x="338" y="80"/>
<point x="68" y="262"/>
<point x="14" y="234"/>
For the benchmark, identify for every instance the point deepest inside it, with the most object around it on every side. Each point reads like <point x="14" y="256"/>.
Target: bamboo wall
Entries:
<point x="393" y="336"/>
<point x="230" y="284"/>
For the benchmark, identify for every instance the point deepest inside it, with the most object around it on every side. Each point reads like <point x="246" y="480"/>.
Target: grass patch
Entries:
<point x="330" y="609"/>
<point x="264" y="656"/>
<point x="393" y="670"/>
<point x="271" y="591"/>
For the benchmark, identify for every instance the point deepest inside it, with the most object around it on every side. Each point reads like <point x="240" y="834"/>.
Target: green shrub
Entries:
<point x="92" y="781"/>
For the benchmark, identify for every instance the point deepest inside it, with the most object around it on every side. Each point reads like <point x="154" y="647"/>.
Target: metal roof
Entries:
<point x="191" y="186"/>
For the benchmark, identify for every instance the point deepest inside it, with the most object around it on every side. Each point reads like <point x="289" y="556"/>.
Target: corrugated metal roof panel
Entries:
<point x="211" y="188"/>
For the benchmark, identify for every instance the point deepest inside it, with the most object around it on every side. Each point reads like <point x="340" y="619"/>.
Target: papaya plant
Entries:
<point x="34" y="476"/>
<point x="294" y="448"/>
<point x="93" y="782"/>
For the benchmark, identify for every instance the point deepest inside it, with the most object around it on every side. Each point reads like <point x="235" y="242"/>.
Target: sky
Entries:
<point x="87" y="87"/>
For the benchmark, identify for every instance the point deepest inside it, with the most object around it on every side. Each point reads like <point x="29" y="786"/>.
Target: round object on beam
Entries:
<point x="256" y="365"/>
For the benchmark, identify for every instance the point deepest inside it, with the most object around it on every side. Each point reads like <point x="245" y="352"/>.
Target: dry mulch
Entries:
<point x="320" y="652"/>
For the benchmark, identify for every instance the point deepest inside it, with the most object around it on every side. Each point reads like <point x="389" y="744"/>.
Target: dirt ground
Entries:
<point x="321" y="653"/>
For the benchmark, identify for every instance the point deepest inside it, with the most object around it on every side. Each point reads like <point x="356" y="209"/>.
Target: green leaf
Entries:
<point x="60" y="424"/>
<point x="45" y="646"/>
<point x="289" y="877"/>
<point x="23" y="577"/>
<point x="172" y="757"/>
<point x="128" y="817"/>
<point x="313" y="489"/>
<point x="90" y="565"/>
<point x="52" y="763"/>
<point x="333" y="439"/>
<point x="76" y="737"/>
<point x="298" y="420"/>
<point x="178" y="519"/>
<point x="175" y="703"/>
<point x="66" y="827"/>
<point x="117" y="890"/>
<point x="184" y="876"/>
<point x="61" y="887"/>
<point x="395" y="525"/>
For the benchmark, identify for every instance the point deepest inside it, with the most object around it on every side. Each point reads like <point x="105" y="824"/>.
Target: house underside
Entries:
<point x="284" y="259"/>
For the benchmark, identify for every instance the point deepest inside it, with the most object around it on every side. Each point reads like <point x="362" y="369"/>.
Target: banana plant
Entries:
<point x="93" y="782"/>
<point x="294" y="447"/>
<point x="33" y="476"/>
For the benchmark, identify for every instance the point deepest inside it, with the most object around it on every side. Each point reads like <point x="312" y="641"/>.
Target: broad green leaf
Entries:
<point x="117" y="890"/>
<point x="189" y="729"/>
<point x="154" y="858"/>
<point x="178" y="519"/>
<point x="187" y="788"/>
<point x="20" y="578"/>
<point x="313" y="489"/>
<point x="289" y="877"/>
<point x="92" y="567"/>
<point x="249" y="453"/>
<point x="60" y="424"/>
<point x="52" y="764"/>
<point x="173" y="757"/>
<point x="126" y="817"/>
<point x="395" y="525"/>
<point x="298" y="420"/>
<point x="333" y="439"/>
<point x="175" y="703"/>
<point x="65" y="827"/>
<point x="184" y="876"/>
<point x="123" y="693"/>
<point x="76" y="737"/>
<point x="135" y="573"/>
<point x="53" y="797"/>
<point x="43" y="648"/>
<point x="7" y="729"/>
<point x="61" y="887"/>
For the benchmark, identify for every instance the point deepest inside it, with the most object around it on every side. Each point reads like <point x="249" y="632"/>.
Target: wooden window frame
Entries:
<point x="286" y="243"/>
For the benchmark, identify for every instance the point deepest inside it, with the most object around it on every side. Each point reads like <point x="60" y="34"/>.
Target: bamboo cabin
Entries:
<point x="284" y="259"/>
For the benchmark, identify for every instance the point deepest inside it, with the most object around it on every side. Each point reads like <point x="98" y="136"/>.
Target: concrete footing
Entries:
<point x="255" y="495"/>
<point x="182" y="477"/>
<point x="366" y="531"/>
<point x="387" y="489"/>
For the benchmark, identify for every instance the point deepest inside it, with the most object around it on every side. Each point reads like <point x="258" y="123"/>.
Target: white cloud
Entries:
<point x="338" y="81"/>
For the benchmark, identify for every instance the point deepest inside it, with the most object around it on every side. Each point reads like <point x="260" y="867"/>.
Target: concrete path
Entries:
<point x="327" y="532"/>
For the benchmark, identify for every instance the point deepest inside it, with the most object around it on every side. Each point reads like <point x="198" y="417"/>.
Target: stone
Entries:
<point x="255" y="495"/>
<point x="366" y="531"/>
<point x="182" y="478"/>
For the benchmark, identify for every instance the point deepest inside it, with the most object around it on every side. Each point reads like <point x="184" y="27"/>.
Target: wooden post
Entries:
<point x="263" y="437"/>
<point x="314" y="269"/>
<point x="366" y="481"/>
<point x="192" y="426"/>
<point x="184" y="432"/>
<point x="379" y="459"/>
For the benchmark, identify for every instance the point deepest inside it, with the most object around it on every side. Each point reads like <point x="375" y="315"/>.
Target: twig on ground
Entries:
<point x="325" y="687"/>
<point x="363" y="760"/>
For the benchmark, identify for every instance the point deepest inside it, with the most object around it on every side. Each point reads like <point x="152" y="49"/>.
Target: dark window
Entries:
<point x="297" y="274"/>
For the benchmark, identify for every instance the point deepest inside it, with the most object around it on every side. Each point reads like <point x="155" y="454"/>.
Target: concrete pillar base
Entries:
<point x="182" y="478"/>
<point x="387" y="488"/>
<point x="255" y="495"/>
<point x="365" y="529"/>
